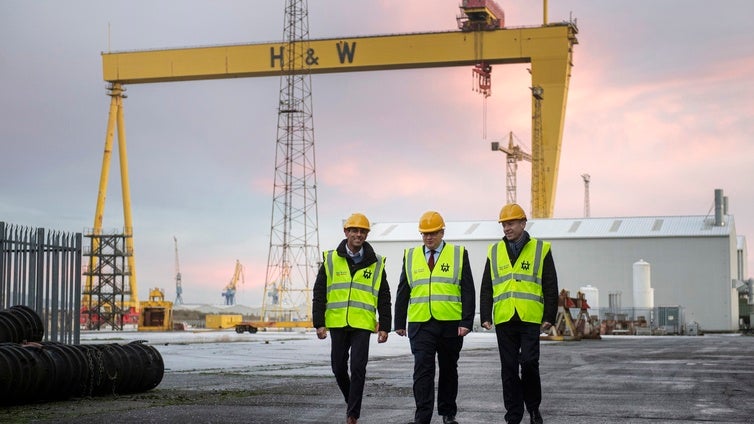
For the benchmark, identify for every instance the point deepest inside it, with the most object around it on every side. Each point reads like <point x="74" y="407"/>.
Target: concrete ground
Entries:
<point x="286" y="379"/>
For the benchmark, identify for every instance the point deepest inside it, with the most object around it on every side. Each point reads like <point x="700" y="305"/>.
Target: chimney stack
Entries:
<point x="719" y="207"/>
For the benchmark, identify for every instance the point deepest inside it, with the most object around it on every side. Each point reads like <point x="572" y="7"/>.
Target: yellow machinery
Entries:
<point x="547" y="48"/>
<point x="156" y="313"/>
<point x="222" y="321"/>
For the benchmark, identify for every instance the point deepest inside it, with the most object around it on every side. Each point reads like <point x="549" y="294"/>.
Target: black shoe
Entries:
<point x="449" y="419"/>
<point x="535" y="417"/>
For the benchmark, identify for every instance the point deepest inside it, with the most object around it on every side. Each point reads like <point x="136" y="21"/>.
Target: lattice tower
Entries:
<point x="293" y="257"/>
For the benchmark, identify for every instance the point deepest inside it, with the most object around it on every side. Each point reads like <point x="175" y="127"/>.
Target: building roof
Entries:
<point x="568" y="228"/>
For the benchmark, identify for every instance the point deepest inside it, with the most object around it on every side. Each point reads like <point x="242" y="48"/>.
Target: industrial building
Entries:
<point x="691" y="264"/>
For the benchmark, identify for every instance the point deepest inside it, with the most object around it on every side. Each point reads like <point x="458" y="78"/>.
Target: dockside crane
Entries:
<point x="178" y="286"/>
<point x="229" y="293"/>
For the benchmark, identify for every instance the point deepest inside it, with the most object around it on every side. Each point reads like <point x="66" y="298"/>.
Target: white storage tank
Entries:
<point x="643" y="292"/>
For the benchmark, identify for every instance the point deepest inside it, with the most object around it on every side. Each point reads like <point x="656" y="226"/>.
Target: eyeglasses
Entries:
<point x="432" y="234"/>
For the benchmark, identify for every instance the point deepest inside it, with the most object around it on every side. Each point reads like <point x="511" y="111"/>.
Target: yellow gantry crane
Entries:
<point x="547" y="48"/>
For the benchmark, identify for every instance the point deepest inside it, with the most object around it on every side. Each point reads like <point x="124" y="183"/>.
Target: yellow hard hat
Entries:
<point x="430" y="222"/>
<point x="510" y="212"/>
<point x="357" y="220"/>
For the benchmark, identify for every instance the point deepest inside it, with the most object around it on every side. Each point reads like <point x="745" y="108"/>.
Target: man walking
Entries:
<point x="436" y="294"/>
<point x="519" y="294"/>
<point x="351" y="288"/>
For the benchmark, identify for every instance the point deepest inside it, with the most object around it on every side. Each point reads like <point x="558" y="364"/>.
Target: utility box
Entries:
<point x="220" y="322"/>
<point x="670" y="318"/>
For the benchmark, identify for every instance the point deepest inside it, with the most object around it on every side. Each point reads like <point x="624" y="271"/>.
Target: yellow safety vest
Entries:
<point x="438" y="293"/>
<point x="519" y="287"/>
<point x="352" y="301"/>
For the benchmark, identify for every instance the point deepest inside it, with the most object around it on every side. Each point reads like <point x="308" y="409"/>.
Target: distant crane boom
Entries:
<point x="178" y="286"/>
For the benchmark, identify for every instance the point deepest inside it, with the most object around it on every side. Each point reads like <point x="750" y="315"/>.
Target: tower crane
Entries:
<point x="229" y="293"/>
<point x="513" y="154"/>
<point x="178" y="286"/>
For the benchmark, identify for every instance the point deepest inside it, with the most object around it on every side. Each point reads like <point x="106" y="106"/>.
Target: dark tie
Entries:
<point x="431" y="261"/>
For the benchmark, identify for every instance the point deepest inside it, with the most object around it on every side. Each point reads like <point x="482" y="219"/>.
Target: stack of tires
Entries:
<point x="20" y="324"/>
<point x="32" y="370"/>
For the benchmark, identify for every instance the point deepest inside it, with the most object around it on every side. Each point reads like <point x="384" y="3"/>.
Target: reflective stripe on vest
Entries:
<point x="519" y="287"/>
<point x="352" y="301"/>
<point x="438" y="293"/>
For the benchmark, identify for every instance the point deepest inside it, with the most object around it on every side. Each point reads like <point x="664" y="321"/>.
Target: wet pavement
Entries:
<point x="285" y="378"/>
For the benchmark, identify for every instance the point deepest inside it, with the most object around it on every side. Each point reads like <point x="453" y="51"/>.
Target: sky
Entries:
<point x="660" y="113"/>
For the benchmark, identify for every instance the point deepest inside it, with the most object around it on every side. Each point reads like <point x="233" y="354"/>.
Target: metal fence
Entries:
<point x="41" y="269"/>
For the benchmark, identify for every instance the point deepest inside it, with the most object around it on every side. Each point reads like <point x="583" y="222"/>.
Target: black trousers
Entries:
<point x="428" y="342"/>
<point x="357" y="342"/>
<point x="518" y="344"/>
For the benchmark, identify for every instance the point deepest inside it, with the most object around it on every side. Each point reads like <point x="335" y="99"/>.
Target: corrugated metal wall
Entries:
<point x="693" y="272"/>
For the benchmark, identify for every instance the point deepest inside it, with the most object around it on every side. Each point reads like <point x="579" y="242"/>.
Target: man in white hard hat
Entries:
<point x="519" y="295"/>
<point x="350" y="290"/>
<point x="436" y="294"/>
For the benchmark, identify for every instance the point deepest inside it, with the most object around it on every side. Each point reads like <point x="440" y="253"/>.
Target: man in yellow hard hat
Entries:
<point x="350" y="290"/>
<point x="519" y="295"/>
<point x="436" y="295"/>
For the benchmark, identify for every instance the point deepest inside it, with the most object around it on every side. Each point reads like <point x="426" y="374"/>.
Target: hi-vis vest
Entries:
<point x="352" y="301"/>
<point x="519" y="287"/>
<point x="438" y="293"/>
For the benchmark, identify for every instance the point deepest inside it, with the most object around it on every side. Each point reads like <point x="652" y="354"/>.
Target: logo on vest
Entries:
<point x="367" y="273"/>
<point x="525" y="265"/>
<point x="445" y="267"/>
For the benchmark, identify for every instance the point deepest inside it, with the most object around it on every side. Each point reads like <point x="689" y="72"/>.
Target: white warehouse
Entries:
<point x="696" y="262"/>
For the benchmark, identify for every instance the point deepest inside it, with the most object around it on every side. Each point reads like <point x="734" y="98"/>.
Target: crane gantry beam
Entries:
<point x="548" y="48"/>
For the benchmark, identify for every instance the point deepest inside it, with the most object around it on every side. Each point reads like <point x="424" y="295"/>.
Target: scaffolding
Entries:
<point x="109" y="272"/>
